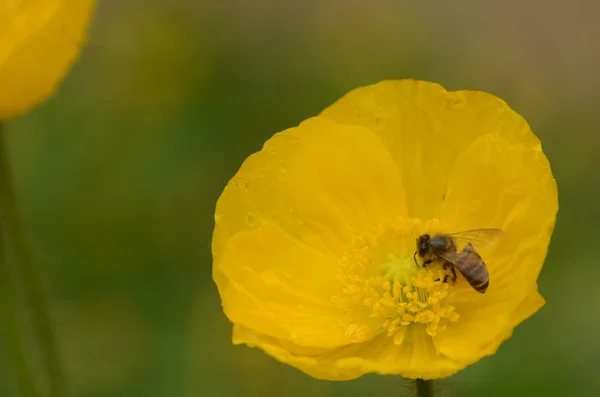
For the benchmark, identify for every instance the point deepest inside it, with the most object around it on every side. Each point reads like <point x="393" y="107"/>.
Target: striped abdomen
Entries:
<point x="473" y="269"/>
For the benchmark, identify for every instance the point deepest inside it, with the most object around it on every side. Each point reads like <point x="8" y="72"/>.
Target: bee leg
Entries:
<point x="447" y="266"/>
<point x="444" y="266"/>
<point x="427" y="262"/>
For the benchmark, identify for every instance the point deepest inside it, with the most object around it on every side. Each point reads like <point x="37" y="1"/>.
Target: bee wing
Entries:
<point x="479" y="238"/>
<point x="470" y="265"/>
<point x="452" y="257"/>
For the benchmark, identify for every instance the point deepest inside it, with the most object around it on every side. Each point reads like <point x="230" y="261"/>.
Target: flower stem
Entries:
<point x="14" y="248"/>
<point x="425" y="388"/>
<point x="12" y="330"/>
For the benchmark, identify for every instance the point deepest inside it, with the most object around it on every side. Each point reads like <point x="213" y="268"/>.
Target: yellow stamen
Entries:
<point x="379" y="279"/>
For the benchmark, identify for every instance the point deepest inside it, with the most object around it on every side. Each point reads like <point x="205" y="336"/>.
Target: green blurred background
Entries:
<point x="119" y="172"/>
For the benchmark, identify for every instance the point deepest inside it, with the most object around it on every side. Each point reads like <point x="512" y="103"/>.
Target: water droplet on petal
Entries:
<point x="457" y="101"/>
<point x="251" y="220"/>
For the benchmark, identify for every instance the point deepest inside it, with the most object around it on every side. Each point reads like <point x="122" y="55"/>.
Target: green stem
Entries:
<point x="16" y="248"/>
<point x="425" y="388"/>
<point x="13" y="333"/>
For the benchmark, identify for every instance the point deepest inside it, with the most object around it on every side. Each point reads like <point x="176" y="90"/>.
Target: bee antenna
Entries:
<point x="415" y="258"/>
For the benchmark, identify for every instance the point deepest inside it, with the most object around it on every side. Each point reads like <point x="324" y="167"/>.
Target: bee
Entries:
<point x="444" y="247"/>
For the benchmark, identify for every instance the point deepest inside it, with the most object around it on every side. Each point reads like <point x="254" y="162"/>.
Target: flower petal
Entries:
<point x="507" y="185"/>
<point x="411" y="359"/>
<point x="319" y="181"/>
<point x="39" y="41"/>
<point x="281" y="287"/>
<point x="426" y="128"/>
<point x="481" y="330"/>
<point x="529" y="306"/>
<point x="478" y="325"/>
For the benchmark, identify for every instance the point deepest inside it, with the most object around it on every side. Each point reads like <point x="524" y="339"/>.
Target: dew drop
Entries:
<point x="250" y="220"/>
<point x="457" y="101"/>
<point x="236" y="182"/>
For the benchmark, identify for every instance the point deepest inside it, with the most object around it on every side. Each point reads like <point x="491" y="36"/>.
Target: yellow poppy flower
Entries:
<point x="39" y="40"/>
<point x="315" y="235"/>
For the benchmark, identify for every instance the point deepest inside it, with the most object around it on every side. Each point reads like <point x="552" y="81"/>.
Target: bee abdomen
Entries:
<point x="482" y="287"/>
<point x="477" y="275"/>
<point x="478" y="272"/>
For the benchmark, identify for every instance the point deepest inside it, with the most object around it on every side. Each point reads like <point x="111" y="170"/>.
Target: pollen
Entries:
<point x="380" y="281"/>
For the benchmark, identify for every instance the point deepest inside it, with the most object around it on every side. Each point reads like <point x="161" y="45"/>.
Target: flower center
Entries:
<point x="384" y="290"/>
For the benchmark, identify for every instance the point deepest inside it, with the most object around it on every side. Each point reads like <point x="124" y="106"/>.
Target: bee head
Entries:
<point x="423" y="244"/>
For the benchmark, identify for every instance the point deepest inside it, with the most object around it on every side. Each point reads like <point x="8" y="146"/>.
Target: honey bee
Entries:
<point x="443" y="247"/>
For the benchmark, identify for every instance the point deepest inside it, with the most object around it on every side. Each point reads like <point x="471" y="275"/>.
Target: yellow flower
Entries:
<point x="315" y="235"/>
<point x="39" y="40"/>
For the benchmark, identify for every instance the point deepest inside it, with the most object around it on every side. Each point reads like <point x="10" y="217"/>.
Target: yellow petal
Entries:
<point x="320" y="181"/>
<point x="481" y="321"/>
<point x="39" y="41"/>
<point x="279" y="286"/>
<point x="508" y="185"/>
<point x="411" y="359"/>
<point x="426" y="129"/>
<point x="529" y="306"/>
<point x="480" y="330"/>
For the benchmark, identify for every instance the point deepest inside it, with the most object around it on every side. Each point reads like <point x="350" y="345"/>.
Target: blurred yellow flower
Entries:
<point x="315" y="235"/>
<point x="39" y="41"/>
